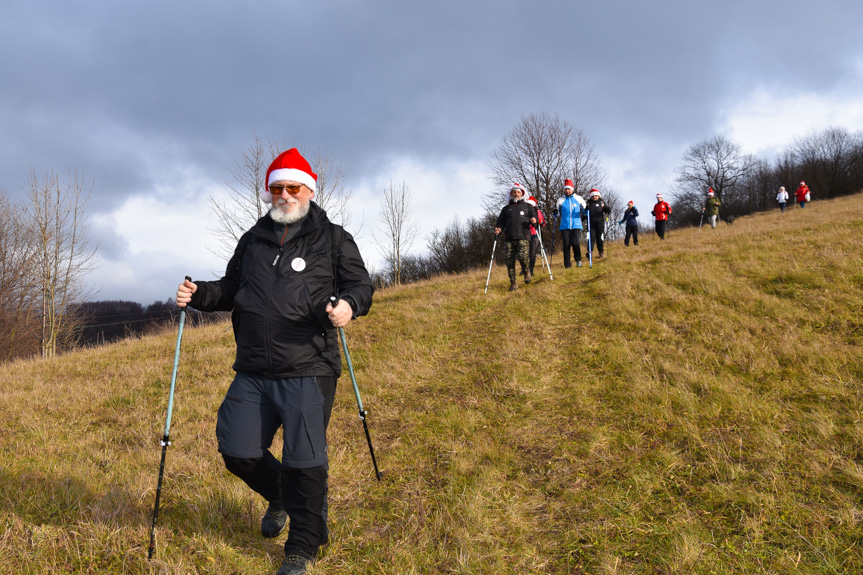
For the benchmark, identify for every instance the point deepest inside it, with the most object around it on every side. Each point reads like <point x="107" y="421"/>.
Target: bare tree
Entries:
<point x="398" y="230"/>
<point x="57" y="225"/>
<point x="831" y="161"/>
<point x="716" y="163"/>
<point x="17" y="262"/>
<point x="536" y="153"/>
<point x="586" y="169"/>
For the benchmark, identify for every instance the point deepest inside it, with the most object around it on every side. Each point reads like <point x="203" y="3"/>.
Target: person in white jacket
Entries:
<point x="782" y="198"/>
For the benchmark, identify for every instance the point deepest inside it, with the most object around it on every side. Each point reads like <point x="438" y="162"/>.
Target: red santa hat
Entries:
<point x="532" y="201"/>
<point x="567" y="185"/>
<point x="709" y="191"/>
<point x="517" y="186"/>
<point x="595" y="192"/>
<point x="290" y="166"/>
<point x="658" y="196"/>
<point x="802" y="183"/>
<point x="630" y="203"/>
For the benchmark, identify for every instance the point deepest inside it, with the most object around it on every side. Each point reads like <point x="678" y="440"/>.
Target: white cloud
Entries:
<point x="439" y="192"/>
<point x="765" y="123"/>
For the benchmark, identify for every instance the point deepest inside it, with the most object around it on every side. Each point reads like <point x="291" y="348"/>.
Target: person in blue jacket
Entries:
<point x="630" y="218"/>
<point x="570" y="210"/>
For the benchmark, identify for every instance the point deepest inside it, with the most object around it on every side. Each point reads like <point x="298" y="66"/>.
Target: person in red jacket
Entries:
<point x="802" y="194"/>
<point x="661" y="211"/>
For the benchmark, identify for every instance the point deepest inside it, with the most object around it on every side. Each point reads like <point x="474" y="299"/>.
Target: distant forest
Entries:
<point x="107" y="321"/>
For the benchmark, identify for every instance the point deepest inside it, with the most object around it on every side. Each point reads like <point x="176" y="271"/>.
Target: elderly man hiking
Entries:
<point x="514" y="220"/>
<point x="278" y="285"/>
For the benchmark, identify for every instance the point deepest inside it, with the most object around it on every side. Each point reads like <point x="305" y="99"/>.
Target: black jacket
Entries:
<point x="278" y="295"/>
<point x="514" y="220"/>
<point x="597" y="210"/>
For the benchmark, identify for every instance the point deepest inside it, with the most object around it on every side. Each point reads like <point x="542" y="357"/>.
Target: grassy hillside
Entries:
<point x="686" y="406"/>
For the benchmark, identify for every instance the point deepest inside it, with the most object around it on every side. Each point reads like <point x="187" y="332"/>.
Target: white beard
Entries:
<point x="283" y="217"/>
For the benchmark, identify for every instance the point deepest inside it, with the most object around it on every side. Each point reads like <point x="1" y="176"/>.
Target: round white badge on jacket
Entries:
<point x="521" y="213"/>
<point x="299" y="264"/>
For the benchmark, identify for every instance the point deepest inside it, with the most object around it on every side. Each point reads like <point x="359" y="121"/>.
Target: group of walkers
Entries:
<point x="520" y="220"/>
<point x="802" y="195"/>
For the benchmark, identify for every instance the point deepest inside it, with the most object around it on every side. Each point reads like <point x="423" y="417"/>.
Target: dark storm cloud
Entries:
<point x="150" y="98"/>
<point x="95" y="85"/>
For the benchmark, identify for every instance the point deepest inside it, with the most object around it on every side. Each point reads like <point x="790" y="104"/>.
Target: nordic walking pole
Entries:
<point x="165" y="439"/>
<point x="490" y="263"/>
<point x="542" y="252"/>
<point x="378" y="474"/>
<point x="589" y="245"/>
<point x="702" y="219"/>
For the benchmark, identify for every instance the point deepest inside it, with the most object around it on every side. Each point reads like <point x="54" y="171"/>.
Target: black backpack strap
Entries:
<point x="335" y="239"/>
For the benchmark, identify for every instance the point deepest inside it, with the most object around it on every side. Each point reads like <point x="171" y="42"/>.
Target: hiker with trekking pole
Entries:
<point x="278" y="286"/>
<point x="596" y="214"/>
<point x="660" y="211"/>
<point x="630" y="220"/>
<point x="536" y="246"/>
<point x="712" y="208"/>
<point x="569" y="211"/>
<point x="514" y="220"/>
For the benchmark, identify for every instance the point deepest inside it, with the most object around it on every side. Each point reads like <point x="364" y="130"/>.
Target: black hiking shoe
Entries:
<point x="527" y="277"/>
<point x="514" y="286"/>
<point x="294" y="564"/>
<point x="273" y="522"/>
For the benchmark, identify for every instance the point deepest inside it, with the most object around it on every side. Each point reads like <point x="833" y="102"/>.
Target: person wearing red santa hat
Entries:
<point x="712" y="208"/>
<point x="597" y="211"/>
<point x="514" y="220"/>
<point x="535" y="230"/>
<point x="802" y="194"/>
<point x="278" y="286"/>
<point x="630" y="219"/>
<point x="661" y="211"/>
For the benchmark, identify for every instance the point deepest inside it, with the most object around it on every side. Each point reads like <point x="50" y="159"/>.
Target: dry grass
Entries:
<point x="686" y="406"/>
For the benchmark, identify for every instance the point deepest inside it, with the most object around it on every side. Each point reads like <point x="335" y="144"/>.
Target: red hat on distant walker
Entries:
<point x="290" y="166"/>
<point x="709" y="191"/>
<point x="532" y="201"/>
<point x="567" y="185"/>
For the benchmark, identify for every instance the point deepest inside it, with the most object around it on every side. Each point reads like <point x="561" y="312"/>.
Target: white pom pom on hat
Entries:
<point x="290" y="166"/>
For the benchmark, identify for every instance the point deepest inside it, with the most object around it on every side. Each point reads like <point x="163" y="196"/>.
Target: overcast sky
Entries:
<point x="153" y="101"/>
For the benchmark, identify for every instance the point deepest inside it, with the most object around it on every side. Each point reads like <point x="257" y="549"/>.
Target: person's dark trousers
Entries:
<point x="305" y="500"/>
<point x="631" y="232"/>
<point x="596" y="231"/>
<point x="660" y="229"/>
<point x="571" y="238"/>
<point x="782" y="207"/>
<point x="249" y="417"/>
<point x="533" y="249"/>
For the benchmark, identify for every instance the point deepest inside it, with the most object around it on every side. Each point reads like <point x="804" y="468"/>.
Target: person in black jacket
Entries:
<point x="515" y="219"/>
<point x="596" y="211"/>
<point x="278" y="286"/>
<point x="630" y="219"/>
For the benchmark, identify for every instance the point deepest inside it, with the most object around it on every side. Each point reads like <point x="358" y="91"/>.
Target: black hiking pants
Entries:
<point x="631" y="232"/>
<point x="597" y="230"/>
<point x="249" y="417"/>
<point x="660" y="229"/>
<point x="571" y="238"/>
